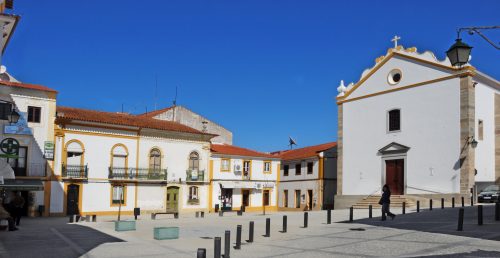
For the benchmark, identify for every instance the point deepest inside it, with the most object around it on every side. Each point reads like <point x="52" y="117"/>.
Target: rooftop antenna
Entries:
<point x="175" y="99"/>
<point x="156" y="89"/>
<point x="291" y="142"/>
<point x="122" y="107"/>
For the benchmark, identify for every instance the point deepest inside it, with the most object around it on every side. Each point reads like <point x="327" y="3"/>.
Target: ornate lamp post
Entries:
<point x="459" y="53"/>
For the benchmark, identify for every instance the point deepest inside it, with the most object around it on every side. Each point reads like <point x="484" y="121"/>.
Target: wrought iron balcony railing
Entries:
<point x="137" y="173"/>
<point x="193" y="175"/>
<point x="74" y="171"/>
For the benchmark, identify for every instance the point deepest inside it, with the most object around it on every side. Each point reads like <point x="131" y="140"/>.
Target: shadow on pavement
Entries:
<point x="444" y="221"/>
<point x="478" y="253"/>
<point x="51" y="237"/>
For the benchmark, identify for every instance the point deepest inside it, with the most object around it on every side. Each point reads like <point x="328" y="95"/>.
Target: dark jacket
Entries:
<point x="386" y="197"/>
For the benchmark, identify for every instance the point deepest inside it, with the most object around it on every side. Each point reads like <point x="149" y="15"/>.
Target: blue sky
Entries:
<point x="263" y="69"/>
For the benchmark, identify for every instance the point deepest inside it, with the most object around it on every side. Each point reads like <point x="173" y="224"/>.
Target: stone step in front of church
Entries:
<point x="396" y="201"/>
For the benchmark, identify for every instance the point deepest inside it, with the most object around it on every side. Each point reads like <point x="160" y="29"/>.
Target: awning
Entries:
<point x="246" y="185"/>
<point x="22" y="185"/>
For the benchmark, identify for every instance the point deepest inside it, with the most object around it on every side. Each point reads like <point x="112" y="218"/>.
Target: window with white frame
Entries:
<point x="118" y="194"/>
<point x="225" y="165"/>
<point x="193" y="193"/>
<point x="194" y="161"/>
<point x="267" y="166"/>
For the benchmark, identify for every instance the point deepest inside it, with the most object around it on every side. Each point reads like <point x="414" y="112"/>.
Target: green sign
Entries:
<point x="9" y="146"/>
<point x="48" y="150"/>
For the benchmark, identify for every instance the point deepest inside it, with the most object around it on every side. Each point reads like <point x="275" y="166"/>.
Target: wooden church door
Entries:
<point x="394" y="175"/>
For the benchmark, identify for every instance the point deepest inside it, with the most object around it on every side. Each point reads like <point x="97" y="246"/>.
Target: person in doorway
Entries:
<point x="6" y="216"/>
<point x="385" y="201"/>
<point x="17" y="204"/>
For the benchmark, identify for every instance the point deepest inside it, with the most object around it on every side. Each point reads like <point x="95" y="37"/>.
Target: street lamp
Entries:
<point x="459" y="53"/>
<point x="13" y="116"/>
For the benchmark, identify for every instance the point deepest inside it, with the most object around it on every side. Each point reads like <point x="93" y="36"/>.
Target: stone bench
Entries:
<point x="153" y="215"/>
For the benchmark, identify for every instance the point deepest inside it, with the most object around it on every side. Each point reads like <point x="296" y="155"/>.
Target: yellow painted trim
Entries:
<point x="277" y="184"/>
<point x="109" y="213"/>
<point x="80" y="196"/>
<point x="229" y="166"/>
<point x="100" y="134"/>
<point x="111" y="204"/>
<point x="46" y="197"/>
<point x="210" y="186"/>
<point x="259" y="209"/>
<point x="270" y="167"/>
<point x="404" y="87"/>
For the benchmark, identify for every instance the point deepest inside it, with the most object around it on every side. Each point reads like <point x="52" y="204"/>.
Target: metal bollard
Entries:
<point x="239" y="213"/>
<point x="202" y="214"/>
<point x="472" y="201"/>
<point x="197" y="214"/>
<point x="497" y="211"/>
<point x="418" y="206"/>
<point x="480" y="215"/>
<point x="404" y="207"/>
<point x="370" y="211"/>
<point x="221" y="213"/>
<point x="430" y="204"/>
<point x="250" y="232"/>
<point x="87" y="218"/>
<point x="202" y="253"/>
<point x="306" y="218"/>
<point x="227" y="243"/>
<point x="268" y="227"/>
<point x="453" y="202"/>
<point x="463" y="201"/>
<point x="238" y="237"/>
<point x="284" y="224"/>
<point x="329" y="216"/>
<point x="460" y="219"/>
<point x="351" y="214"/>
<point x="71" y="219"/>
<point x="442" y="203"/>
<point x="217" y="249"/>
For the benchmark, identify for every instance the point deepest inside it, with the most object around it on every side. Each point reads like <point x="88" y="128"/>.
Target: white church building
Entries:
<point x="420" y="125"/>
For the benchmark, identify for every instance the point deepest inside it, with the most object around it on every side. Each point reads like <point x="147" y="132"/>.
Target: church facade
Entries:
<point x="420" y="125"/>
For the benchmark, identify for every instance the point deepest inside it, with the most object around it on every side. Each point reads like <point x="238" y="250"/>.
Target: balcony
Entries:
<point x="246" y="176"/>
<point x="195" y="175"/>
<point x="116" y="173"/>
<point x="74" y="171"/>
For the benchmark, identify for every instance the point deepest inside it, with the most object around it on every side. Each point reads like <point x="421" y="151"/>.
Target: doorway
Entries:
<point x="309" y="199"/>
<point x="394" y="175"/>
<point x="227" y="199"/>
<point x="19" y="164"/>
<point x="246" y="198"/>
<point x="173" y="198"/>
<point x="72" y="193"/>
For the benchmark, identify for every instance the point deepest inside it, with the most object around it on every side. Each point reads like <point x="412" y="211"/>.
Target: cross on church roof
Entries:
<point x="395" y="40"/>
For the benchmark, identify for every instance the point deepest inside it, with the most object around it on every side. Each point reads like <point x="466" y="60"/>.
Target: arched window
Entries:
<point x="394" y="120"/>
<point x="155" y="159"/>
<point x="119" y="156"/>
<point x="194" y="161"/>
<point x="74" y="153"/>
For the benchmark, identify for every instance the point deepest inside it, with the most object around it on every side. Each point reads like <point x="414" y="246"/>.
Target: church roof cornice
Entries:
<point x="411" y="53"/>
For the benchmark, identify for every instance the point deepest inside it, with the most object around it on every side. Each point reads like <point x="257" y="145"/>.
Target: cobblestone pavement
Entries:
<point x="54" y="237"/>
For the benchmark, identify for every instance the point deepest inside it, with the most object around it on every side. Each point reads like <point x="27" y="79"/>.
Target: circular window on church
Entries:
<point x="394" y="77"/>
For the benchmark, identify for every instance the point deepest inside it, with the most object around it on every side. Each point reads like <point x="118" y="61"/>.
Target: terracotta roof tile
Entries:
<point x="305" y="152"/>
<point x="27" y="86"/>
<point x="238" y="151"/>
<point x="122" y="119"/>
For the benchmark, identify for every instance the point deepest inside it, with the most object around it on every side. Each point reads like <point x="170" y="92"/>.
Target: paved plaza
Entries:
<point x="428" y="233"/>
